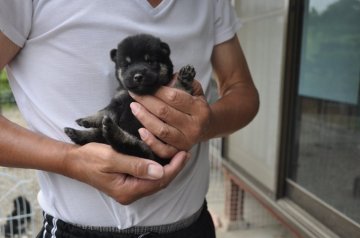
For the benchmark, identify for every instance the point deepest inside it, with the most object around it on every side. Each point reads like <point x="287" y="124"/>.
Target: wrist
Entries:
<point x="68" y="160"/>
<point x="209" y="127"/>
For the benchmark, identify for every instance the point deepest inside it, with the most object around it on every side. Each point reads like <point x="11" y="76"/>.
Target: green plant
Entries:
<point x="6" y="96"/>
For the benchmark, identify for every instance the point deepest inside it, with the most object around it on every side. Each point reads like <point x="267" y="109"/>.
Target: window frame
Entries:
<point x="287" y="188"/>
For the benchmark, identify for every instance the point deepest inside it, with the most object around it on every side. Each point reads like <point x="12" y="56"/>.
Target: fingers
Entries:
<point x="132" y="189"/>
<point x="161" y="109"/>
<point x="171" y="170"/>
<point x="177" y="163"/>
<point x="197" y="89"/>
<point x="180" y="130"/>
<point x="165" y="131"/>
<point x="158" y="147"/>
<point x="101" y="158"/>
<point x="137" y="167"/>
<point x="125" y="178"/>
<point x="174" y="117"/>
<point x="175" y="98"/>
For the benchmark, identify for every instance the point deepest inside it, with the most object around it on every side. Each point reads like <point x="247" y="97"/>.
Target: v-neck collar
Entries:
<point x="154" y="10"/>
<point x="149" y="1"/>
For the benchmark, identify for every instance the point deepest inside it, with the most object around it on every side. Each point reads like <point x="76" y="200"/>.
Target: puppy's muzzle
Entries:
<point x="138" y="78"/>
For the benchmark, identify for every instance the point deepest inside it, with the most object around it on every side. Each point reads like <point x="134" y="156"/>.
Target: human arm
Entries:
<point x="239" y="100"/>
<point x="95" y="164"/>
<point x="8" y="50"/>
<point x="182" y="120"/>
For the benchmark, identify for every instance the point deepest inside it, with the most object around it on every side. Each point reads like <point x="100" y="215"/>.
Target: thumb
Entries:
<point x="138" y="167"/>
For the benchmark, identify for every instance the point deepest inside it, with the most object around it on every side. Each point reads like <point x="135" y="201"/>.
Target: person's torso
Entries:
<point x="64" y="72"/>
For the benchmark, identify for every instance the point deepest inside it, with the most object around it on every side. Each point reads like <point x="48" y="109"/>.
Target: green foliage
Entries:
<point x="2" y="76"/>
<point x="6" y="96"/>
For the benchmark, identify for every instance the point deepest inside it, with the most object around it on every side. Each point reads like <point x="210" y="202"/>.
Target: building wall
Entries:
<point x="262" y="36"/>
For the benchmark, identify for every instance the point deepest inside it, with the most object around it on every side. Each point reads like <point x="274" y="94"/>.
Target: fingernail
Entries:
<point x="143" y="133"/>
<point x="155" y="171"/>
<point x="134" y="108"/>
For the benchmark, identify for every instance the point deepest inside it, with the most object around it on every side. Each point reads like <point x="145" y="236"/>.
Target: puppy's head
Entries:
<point x="142" y="63"/>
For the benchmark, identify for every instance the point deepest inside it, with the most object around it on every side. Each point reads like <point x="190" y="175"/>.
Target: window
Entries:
<point x="325" y="152"/>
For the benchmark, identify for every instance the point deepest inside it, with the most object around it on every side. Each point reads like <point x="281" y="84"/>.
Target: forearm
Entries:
<point x="239" y="99"/>
<point x="94" y="163"/>
<point x="8" y="50"/>
<point x="21" y="148"/>
<point x="233" y="111"/>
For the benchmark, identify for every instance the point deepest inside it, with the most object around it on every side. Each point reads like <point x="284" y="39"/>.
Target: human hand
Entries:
<point x="124" y="178"/>
<point x="174" y="120"/>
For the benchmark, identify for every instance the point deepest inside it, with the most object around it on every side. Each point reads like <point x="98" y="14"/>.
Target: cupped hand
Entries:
<point x="173" y="120"/>
<point x="124" y="178"/>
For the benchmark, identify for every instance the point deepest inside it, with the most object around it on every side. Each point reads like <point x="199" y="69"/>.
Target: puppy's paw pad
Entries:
<point x="83" y="122"/>
<point x="187" y="73"/>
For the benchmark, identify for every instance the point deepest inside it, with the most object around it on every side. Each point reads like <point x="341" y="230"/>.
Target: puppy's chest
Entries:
<point x="121" y="114"/>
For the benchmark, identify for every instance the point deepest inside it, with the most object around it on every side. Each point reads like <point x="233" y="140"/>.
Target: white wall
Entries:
<point x="262" y="36"/>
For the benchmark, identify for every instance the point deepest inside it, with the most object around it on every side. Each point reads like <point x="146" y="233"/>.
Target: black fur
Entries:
<point x="142" y="65"/>
<point x="20" y="217"/>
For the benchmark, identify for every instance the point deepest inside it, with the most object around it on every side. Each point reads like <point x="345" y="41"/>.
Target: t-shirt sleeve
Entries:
<point x="226" y="21"/>
<point x="16" y="19"/>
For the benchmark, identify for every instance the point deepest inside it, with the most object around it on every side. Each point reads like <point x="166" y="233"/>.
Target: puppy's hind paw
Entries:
<point x="108" y="127"/>
<point x="113" y="134"/>
<point x="107" y="122"/>
<point x="82" y="122"/>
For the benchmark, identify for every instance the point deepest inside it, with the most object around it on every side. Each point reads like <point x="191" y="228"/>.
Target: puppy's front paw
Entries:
<point x="72" y="134"/>
<point x="186" y="78"/>
<point x="187" y="74"/>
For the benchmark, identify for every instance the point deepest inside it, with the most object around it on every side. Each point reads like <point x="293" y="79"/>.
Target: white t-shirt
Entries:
<point x="64" y="72"/>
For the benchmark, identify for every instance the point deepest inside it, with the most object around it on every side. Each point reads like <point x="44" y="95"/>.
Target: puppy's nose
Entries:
<point x="138" y="78"/>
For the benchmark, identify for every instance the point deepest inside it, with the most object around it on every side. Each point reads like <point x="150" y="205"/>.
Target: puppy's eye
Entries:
<point x="124" y="65"/>
<point x="126" y="62"/>
<point x="149" y="60"/>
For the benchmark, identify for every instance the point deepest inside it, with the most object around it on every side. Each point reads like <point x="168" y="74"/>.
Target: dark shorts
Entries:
<point x="201" y="227"/>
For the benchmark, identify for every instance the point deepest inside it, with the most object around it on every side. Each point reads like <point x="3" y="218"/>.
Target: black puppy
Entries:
<point x="20" y="217"/>
<point x="142" y="65"/>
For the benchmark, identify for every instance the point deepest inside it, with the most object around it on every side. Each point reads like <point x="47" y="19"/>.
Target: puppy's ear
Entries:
<point x="165" y="48"/>
<point x="113" y="54"/>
